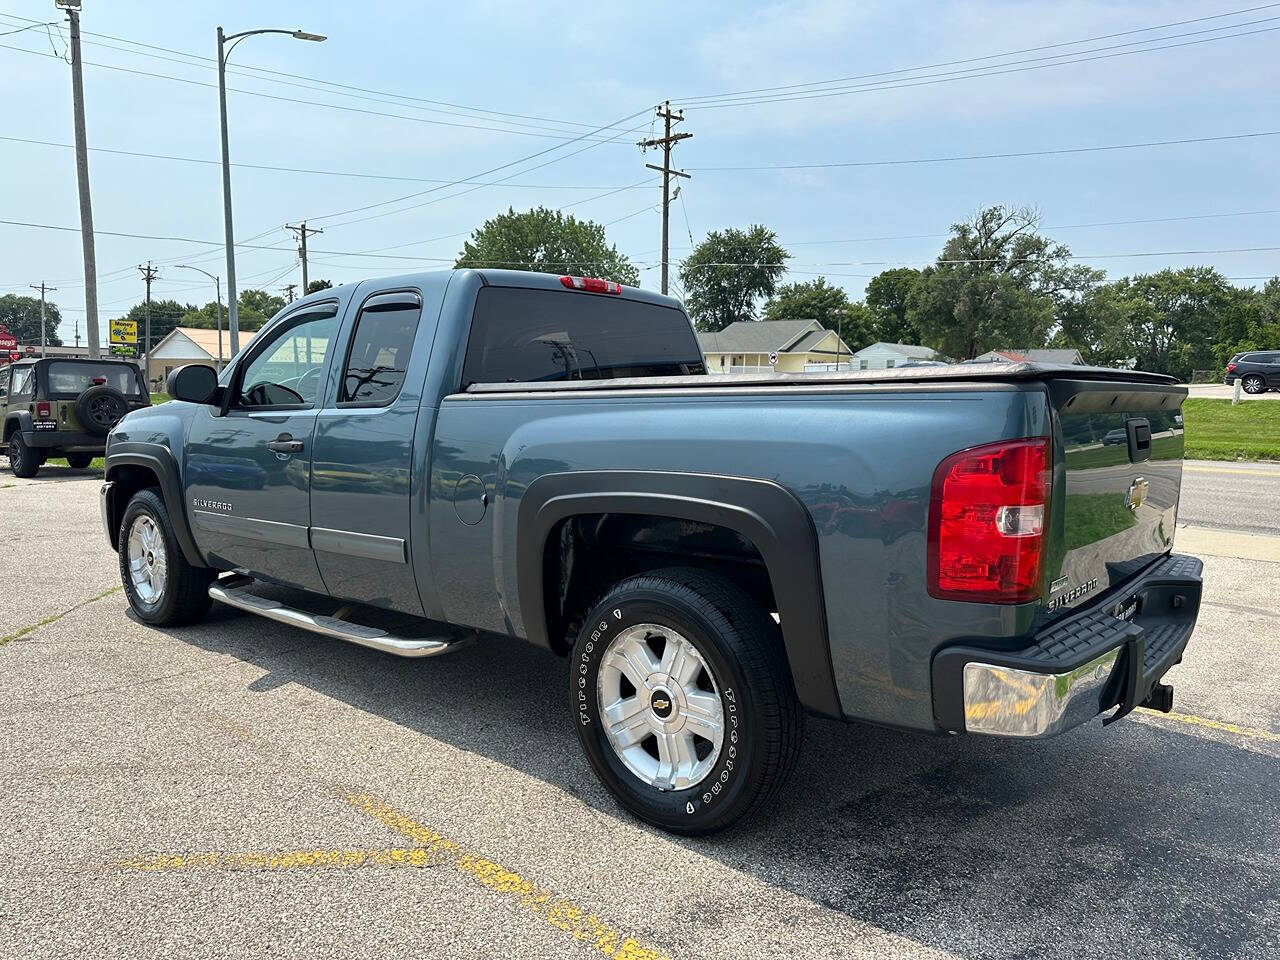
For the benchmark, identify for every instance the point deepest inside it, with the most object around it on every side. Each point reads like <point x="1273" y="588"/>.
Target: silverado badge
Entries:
<point x="1137" y="494"/>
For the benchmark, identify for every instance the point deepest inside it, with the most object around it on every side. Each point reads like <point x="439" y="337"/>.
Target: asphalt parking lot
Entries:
<point x="242" y="788"/>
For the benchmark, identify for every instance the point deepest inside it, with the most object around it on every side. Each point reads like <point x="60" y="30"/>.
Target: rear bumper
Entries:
<point x="1078" y="667"/>
<point x="75" y="441"/>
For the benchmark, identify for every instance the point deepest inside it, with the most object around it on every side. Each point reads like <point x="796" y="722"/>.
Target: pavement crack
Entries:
<point x="54" y="618"/>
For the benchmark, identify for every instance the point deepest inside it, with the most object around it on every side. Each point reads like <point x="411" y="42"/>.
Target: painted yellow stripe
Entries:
<point x="561" y="913"/>
<point x="1252" y="733"/>
<point x="1187" y="468"/>
<point x="286" y="860"/>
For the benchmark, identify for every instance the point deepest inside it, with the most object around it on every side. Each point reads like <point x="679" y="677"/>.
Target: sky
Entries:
<point x="552" y="99"/>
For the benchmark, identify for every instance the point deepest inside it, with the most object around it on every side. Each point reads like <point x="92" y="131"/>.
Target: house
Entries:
<point x="183" y="345"/>
<point x="1035" y="356"/>
<point x="883" y="356"/>
<point x="746" y="346"/>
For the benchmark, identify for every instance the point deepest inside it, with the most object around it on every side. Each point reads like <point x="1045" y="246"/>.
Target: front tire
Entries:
<point x="163" y="589"/>
<point x="1254" y="384"/>
<point x="23" y="461"/>
<point x="683" y="700"/>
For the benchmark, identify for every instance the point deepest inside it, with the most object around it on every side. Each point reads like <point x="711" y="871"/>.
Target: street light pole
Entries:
<point x="217" y="289"/>
<point x="224" y="51"/>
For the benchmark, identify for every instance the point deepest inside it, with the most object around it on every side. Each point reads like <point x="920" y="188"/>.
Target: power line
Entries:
<point x="994" y="156"/>
<point x="990" y="56"/>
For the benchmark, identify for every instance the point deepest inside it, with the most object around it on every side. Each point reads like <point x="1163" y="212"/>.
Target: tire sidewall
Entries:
<point x="86" y="399"/>
<point x="1260" y="385"/>
<point x="147" y="503"/>
<point x="730" y="785"/>
<point x="25" y="460"/>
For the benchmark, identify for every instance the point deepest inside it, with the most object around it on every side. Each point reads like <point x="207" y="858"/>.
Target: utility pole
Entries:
<point x="149" y="273"/>
<point x="666" y="142"/>
<point x="44" y="337"/>
<point x="77" y="334"/>
<point x="82" y="179"/>
<point x="288" y="289"/>
<point x="301" y="231"/>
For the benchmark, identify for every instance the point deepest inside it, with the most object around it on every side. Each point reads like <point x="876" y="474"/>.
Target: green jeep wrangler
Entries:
<point x="64" y="407"/>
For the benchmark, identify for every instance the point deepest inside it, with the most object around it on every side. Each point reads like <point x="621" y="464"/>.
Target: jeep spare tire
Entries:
<point x="100" y="408"/>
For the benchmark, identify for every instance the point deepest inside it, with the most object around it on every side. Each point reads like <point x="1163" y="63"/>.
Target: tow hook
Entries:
<point x="1160" y="698"/>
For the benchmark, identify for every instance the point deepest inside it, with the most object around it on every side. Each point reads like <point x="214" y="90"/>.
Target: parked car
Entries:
<point x="499" y="453"/>
<point x="64" y="407"/>
<point x="1118" y="435"/>
<point x="1257" y="372"/>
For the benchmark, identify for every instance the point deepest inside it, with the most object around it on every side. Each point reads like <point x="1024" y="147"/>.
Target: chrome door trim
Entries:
<point x="366" y="545"/>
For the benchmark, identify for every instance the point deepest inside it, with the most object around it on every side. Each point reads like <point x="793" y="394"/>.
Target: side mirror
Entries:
<point x="194" y="383"/>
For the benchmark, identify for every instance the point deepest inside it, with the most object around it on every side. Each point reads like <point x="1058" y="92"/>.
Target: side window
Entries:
<point x="380" y="348"/>
<point x="285" y="371"/>
<point x="4" y="383"/>
<point x="23" y="381"/>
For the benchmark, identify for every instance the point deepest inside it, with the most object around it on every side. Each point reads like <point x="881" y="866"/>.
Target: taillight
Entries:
<point x="1231" y="368"/>
<point x="43" y="410"/>
<point x="987" y="514"/>
<point x="592" y="284"/>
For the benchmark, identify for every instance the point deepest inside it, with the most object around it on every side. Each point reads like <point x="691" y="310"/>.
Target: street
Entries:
<point x="244" y="788"/>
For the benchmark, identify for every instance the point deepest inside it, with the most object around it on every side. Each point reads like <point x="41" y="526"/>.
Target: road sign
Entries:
<point x="124" y="331"/>
<point x="122" y="350"/>
<point x="773" y="359"/>
<point x="7" y="341"/>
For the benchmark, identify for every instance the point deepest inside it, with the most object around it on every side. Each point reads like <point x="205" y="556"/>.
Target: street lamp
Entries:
<point x="217" y="287"/>
<point x="232" y="313"/>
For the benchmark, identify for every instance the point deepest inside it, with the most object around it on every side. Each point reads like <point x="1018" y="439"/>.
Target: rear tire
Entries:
<point x="658" y="764"/>
<point x="78" y="461"/>
<point x="1254" y="384"/>
<point x="23" y="461"/>
<point x="163" y="589"/>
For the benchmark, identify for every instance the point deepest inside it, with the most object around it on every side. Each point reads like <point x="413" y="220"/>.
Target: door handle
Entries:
<point x="284" y="444"/>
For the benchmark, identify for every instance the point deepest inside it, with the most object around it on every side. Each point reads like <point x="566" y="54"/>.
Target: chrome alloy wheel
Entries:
<point x="148" y="565"/>
<point x="660" y="707"/>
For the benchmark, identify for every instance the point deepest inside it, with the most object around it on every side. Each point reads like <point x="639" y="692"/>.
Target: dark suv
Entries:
<point x="1258" y="372"/>
<point x="64" y="407"/>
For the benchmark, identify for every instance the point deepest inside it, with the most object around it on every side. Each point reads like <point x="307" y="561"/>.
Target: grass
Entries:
<point x="159" y="398"/>
<point x="54" y="618"/>
<point x="1215" y="430"/>
<point x="1094" y="517"/>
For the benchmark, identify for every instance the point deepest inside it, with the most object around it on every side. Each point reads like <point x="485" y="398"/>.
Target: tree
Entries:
<point x="260" y="303"/>
<point x="206" y="318"/>
<point x="21" y="317"/>
<point x="549" y="242"/>
<point x="830" y="306"/>
<point x="887" y="297"/>
<point x="314" y="285"/>
<point x="994" y="285"/>
<point x="165" y="315"/>
<point x="729" y="273"/>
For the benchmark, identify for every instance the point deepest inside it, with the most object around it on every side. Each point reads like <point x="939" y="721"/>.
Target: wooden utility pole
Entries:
<point x="149" y="273"/>
<point x="82" y="179"/>
<point x="44" y="336"/>
<point x="301" y="231"/>
<point x="666" y="142"/>
<point x="288" y="289"/>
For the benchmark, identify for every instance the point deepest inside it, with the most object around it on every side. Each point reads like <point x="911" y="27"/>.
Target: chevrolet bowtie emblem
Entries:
<point x="1137" y="494"/>
<point x="661" y="704"/>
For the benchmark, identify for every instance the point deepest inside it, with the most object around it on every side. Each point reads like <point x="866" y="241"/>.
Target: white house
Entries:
<point x="184" y="345"/>
<point x="794" y="346"/>
<point x="1035" y="355"/>
<point x="883" y="356"/>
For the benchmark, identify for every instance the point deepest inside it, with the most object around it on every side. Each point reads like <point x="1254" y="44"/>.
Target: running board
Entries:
<point x="234" y="591"/>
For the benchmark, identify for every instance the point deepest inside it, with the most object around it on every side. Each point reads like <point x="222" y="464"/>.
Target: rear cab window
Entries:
<point x="378" y="357"/>
<point x="70" y="378"/>
<point x="521" y="335"/>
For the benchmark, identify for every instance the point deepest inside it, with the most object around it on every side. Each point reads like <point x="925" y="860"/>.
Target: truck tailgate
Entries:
<point x="1115" y="484"/>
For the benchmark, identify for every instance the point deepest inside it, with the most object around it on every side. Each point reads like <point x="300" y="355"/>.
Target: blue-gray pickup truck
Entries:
<point x="414" y="462"/>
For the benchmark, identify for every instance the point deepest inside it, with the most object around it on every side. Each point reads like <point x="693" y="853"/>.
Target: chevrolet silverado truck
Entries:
<point x="415" y="462"/>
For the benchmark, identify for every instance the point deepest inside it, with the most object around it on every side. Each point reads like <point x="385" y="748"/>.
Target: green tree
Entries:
<point x="729" y="273"/>
<point x="206" y="318"/>
<point x="546" y="241"/>
<point x="21" y="317"/>
<point x="314" y="285"/>
<point x="830" y="306"/>
<point x="165" y="315"/>
<point x="260" y="303"/>
<point x="995" y="284"/>
<point x="888" y="294"/>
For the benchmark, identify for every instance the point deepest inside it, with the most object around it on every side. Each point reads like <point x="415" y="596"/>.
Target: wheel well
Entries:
<point x="10" y="428"/>
<point x="586" y="554"/>
<point x="128" y="478"/>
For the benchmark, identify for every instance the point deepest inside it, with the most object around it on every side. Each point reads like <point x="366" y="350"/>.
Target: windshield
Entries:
<point x="73" y="377"/>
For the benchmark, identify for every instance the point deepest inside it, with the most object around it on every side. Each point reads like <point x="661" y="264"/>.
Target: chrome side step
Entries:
<point x="234" y="591"/>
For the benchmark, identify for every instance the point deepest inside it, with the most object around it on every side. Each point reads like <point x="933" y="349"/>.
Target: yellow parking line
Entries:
<point x="286" y="860"/>
<point x="1253" y="473"/>
<point x="1253" y="733"/>
<point x="557" y="911"/>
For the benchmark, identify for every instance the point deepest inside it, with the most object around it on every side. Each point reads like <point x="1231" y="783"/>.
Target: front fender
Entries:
<point x="766" y="513"/>
<point x="159" y="461"/>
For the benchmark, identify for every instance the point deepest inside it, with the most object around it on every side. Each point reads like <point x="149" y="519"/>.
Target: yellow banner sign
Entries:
<point x="124" y="331"/>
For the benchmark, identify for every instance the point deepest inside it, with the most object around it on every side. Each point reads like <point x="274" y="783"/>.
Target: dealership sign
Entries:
<point x="8" y="342"/>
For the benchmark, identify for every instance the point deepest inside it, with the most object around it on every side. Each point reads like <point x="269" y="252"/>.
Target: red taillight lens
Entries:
<point x="591" y="284"/>
<point x="1231" y="368"/>
<point x="987" y="515"/>
<point x="43" y="410"/>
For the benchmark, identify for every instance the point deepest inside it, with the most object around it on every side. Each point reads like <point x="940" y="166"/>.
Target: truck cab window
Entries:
<point x="380" y="348"/>
<point x="522" y="335"/>
<point x="286" y="370"/>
